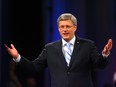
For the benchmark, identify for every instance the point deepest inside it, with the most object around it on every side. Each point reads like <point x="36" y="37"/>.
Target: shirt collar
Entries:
<point x="72" y="41"/>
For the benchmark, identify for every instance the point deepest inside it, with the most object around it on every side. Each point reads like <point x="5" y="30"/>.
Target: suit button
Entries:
<point x="68" y="73"/>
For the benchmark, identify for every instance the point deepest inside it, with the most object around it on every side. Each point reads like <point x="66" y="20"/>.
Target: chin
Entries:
<point x="66" y="39"/>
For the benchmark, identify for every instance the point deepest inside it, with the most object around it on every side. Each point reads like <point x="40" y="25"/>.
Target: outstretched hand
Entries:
<point x="107" y="47"/>
<point x="12" y="51"/>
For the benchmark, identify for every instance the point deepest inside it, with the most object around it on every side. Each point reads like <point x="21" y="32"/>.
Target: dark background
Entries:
<point x="30" y="24"/>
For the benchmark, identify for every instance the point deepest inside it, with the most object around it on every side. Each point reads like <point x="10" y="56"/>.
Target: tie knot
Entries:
<point x="68" y="44"/>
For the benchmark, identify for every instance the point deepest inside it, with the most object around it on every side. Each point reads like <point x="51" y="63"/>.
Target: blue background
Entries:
<point x="29" y="25"/>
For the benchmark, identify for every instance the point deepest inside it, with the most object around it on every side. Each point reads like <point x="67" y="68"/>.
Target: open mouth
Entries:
<point x="65" y="33"/>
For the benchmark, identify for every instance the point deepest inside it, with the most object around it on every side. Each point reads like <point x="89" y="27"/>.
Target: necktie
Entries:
<point x="68" y="53"/>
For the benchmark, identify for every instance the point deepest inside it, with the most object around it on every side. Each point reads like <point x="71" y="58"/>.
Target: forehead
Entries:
<point x="65" y="22"/>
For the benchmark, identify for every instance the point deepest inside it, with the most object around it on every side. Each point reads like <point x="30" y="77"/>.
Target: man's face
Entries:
<point x="67" y="29"/>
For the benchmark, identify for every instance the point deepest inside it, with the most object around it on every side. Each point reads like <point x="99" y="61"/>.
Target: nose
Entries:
<point x="65" y="29"/>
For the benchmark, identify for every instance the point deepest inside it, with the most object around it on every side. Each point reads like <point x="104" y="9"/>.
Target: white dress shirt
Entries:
<point x="72" y="41"/>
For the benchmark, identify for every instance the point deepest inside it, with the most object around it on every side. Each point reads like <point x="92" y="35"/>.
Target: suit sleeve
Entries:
<point x="35" y="66"/>
<point x="97" y="60"/>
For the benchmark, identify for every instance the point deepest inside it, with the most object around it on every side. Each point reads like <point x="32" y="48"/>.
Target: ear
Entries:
<point x="75" y="27"/>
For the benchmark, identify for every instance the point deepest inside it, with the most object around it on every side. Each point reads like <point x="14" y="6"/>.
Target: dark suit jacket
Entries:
<point x="85" y="57"/>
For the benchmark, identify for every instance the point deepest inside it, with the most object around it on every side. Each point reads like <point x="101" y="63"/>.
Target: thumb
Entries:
<point x="12" y="46"/>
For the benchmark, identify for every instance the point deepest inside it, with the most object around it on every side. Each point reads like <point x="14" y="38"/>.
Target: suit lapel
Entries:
<point x="75" y="51"/>
<point x="60" y="54"/>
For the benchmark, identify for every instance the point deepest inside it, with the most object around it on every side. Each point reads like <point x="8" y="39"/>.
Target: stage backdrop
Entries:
<point x="29" y="25"/>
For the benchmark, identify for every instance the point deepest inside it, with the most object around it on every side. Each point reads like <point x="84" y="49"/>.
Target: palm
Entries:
<point x="108" y="47"/>
<point x="12" y="51"/>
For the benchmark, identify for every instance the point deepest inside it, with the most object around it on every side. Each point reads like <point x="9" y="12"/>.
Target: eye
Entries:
<point x="68" y="27"/>
<point x="61" y="27"/>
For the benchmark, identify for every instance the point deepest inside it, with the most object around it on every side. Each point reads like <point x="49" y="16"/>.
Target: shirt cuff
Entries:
<point x="105" y="55"/>
<point x="17" y="59"/>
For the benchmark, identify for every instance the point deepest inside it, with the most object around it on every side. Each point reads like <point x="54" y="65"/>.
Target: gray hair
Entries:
<point x="67" y="16"/>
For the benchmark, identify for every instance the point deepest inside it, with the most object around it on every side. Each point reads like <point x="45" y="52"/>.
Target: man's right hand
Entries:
<point x="12" y="51"/>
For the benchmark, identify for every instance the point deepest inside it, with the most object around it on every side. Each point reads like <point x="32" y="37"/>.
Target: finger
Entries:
<point x="106" y="49"/>
<point x="6" y="46"/>
<point x="110" y="40"/>
<point x="12" y="46"/>
<point x="109" y="44"/>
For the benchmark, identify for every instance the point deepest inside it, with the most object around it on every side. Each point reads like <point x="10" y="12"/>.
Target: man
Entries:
<point x="72" y="72"/>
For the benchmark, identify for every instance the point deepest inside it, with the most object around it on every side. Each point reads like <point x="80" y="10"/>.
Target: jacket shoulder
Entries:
<point x="83" y="40"/>
<point x="54" y="43"/>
